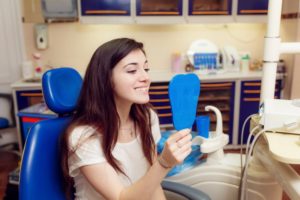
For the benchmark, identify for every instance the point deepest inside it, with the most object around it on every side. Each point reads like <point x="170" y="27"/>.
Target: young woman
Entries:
<point x="109" y="150"/>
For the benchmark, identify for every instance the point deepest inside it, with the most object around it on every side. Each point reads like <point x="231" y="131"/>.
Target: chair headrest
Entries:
<point x="61" y="88"/>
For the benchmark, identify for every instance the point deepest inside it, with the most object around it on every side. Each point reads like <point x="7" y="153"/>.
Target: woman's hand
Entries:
<point x="176" y="149"/>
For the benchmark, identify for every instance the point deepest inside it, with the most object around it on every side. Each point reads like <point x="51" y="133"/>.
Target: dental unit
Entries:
<point x="264" y="171"/>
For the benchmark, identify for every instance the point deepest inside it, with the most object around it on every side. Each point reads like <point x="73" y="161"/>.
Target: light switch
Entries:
<point x="41" y="36"/>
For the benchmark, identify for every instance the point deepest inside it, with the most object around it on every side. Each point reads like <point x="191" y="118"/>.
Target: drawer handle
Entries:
<point x="158" y="93"/>
<point x="210" y="12"/>
<point x="213" y="98"/>
<point x="159" y="100"/>
<point x="251" y="99"/>
<point x="31" y="94"/>
<point x="162" y="107"/>
<point x="165" y="115"/>
<point x="205" y="85"/>
<point x="252" y="84"/>
<point x="254" y="11"/>
<point x="252" y="91"/>
<point x="106" y="12"/>
<point x="158" y="13"/>
<point x="159" y="87"/>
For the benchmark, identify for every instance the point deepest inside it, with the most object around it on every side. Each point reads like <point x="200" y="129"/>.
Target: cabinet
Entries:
<point x="105" y="11"/>
<point x="216" y="94"/>
<point x="158" y="7"/>
<point x="246" y="7"/>
<point x="210" y="7"/>
<point x="171" y="11"/>
<point x="159" y="11"/>
<point x="105" y="7"/>
<point x="24" y="98"/>
<point x="249" y="103"/>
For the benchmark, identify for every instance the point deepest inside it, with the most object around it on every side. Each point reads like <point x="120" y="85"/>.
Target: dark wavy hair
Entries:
<point x="97" y="108"/>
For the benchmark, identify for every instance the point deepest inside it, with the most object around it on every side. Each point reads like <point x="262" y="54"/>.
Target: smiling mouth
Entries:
<point x="142" y="89"/>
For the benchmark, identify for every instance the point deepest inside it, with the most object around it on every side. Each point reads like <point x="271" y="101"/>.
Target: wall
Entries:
<point x="72" y="44"/>
<point x="288" y="34"/>
<point x="291" y="33"/>
<point x="295" y="90"/>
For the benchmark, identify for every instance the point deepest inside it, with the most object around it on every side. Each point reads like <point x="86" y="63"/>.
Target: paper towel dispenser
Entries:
<point x="59" y="10"/>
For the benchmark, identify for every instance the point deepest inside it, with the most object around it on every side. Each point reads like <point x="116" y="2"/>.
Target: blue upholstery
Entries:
<point x="41" y="175"/>
<point x="61" y="88"/>
<point x="40" y="170"/>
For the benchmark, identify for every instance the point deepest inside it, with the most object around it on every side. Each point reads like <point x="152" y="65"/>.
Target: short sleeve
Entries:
<point x="155" y="127"/>
<point x="85" y="149"/>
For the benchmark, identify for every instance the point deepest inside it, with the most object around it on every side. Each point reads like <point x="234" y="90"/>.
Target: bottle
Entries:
<point x="245" y="62"/>
<point x="27" y="70"/>
<point x="176" y="63"/>
<point x="38" y="70"/>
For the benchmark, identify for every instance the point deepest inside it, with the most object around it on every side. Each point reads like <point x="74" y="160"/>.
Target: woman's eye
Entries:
<point x="147" y="69"/>
<point x="131" y="71"/>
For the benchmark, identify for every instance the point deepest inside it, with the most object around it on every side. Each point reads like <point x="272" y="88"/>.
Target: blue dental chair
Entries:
<point x="41" y="175"/>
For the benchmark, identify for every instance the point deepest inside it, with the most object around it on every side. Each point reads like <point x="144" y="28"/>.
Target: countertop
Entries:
<point x="161" y="76"/>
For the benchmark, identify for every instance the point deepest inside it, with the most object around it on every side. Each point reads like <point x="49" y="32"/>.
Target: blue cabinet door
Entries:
<point x="210" y="7"/>
<point x="220" y="95"/>
<point x="250" y="7"/>
<point x="159" y="7"/>
<point x="159" y="98"/>
<point x="105" y="7"/>
<point x="249" y="103"/>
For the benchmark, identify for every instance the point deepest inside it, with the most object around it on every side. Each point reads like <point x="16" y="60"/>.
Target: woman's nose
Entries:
<point x="144" y="76"/>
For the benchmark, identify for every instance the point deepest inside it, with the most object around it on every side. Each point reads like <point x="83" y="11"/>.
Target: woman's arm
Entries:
<point x="105" y="179"/>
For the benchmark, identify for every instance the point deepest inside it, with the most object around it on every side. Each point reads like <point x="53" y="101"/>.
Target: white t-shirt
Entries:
<point x="89" y="152"/>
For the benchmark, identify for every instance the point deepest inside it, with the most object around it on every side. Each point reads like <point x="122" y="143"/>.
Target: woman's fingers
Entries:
<point x="178" y="135"/>
<point x="177" y="147"/>
<point x="184" y="140"/>
<point x="184" y="154"/>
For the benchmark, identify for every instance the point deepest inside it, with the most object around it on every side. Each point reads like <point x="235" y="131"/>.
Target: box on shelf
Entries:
<point x="33" y="114"/>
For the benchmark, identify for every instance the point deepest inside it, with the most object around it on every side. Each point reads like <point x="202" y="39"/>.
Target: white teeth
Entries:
<point x="142" y="89"/>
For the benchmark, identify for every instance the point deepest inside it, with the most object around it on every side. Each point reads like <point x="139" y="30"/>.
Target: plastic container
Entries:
<point x="203" y="124"/>
<point x="27" y="70"/>
<point x="245" y="62"/>
<point x="38" y="68"/>
<point x="176" y="63"/>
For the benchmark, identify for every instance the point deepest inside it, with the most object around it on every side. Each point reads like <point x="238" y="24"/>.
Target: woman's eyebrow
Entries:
<point x="134" y="63"/>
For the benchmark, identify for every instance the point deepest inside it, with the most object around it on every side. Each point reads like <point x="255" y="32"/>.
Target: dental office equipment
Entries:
<point x="204" y="56"/>
<point x="217" y="140"/>
<point x="218" y="171"/>
<point x="273" y="157"/>
<point x="281" y="115"/>
<point x="230" y="59"/>
<point x="221" y="172"/>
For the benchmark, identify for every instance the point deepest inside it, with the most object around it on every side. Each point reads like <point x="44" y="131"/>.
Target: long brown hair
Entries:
<point x="96" y="106"/>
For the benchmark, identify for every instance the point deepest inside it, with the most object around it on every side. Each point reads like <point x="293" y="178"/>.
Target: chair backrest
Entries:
<point x="41" y="175"/>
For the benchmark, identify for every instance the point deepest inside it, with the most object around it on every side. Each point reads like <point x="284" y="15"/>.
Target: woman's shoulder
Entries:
<point x="153" y="116"/>
<point x="80" y="133"/>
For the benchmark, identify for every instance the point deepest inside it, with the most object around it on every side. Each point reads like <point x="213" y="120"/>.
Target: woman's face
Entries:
<point x="130" y="79"/>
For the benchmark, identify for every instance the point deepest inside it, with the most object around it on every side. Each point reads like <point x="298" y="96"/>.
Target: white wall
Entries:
<point x="291" y="33"/>
<point x="72" y="44"/>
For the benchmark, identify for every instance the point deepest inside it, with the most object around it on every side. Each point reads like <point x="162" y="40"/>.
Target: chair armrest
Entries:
<point x="184" y="190"/>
